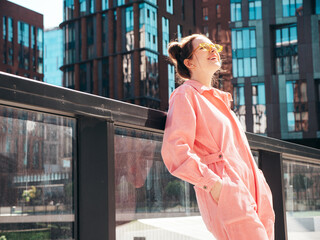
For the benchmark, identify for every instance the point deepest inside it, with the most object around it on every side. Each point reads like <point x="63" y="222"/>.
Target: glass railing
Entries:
<point x="78" y="166"/>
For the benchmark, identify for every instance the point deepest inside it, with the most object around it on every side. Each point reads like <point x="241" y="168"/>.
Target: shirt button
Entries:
<point x="220" y="155"/>
<point x="204" y="187"/>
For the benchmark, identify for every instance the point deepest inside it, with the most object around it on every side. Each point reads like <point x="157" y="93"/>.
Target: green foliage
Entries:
<point x="27" y="235"/>
<point x="174" y="189"/>
<point x="29" y="194"/>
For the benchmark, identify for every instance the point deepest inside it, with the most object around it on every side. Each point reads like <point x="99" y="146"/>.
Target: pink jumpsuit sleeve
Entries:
<point x="178" y="140"/>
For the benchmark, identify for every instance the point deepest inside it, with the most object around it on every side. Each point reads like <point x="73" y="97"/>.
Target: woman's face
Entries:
<point x="202" y="60"/>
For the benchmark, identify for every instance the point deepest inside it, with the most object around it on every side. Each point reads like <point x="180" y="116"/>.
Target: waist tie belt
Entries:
<point x="213" y="158"/>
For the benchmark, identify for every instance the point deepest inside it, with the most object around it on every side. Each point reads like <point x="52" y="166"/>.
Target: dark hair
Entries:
<point x="179" y="51"/>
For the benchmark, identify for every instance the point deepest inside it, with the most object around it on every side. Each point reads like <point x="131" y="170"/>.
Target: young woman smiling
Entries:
<point x="205" y="145"/>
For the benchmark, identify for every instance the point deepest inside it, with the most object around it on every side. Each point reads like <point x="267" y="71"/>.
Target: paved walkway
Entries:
<point x="193" y="228"/>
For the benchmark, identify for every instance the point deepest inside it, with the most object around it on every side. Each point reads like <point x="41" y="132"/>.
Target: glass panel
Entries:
<point x="147" y="195"/>
<point x="246" y="38"/>
<point x="252" y="38"/>
<point x="165" y="36"/>
<point x="240" y="67"/>
<point x="258" y="10"/>
<point x="285" y="8"/>
<point x="82" y="7"/>
<point x="285" y="37"/>
<point x="127" y="68"/>
<point x="293" y="35"/>
<point x="129" y="29"/>
<point x="171" y="78"/>
<point x="233" y="12"/>
<point x="253" y="67"/>
<point x="105" y="4"/>
<point x="278" y="38"/>
<point x="317" y="10"/>
<point x="238" y="12"/>
<point x="170" y="6"/>
<point x="239" y="40"/>
<point x="251" y="11"/>
<point x="247" y="67"/>
<point x="234" y="39"/>
<point x="302" y="194"/>
<point x="37" y="156"/>
<point x="235" y="67"/>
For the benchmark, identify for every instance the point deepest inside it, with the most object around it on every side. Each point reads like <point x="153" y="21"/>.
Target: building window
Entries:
<point x="148" y="27"/>
<point x="317" y="86"/>
<point x="4" y="27"/>
<point x="218" y="32"/>
<point x="105" y="4"/>
<point x="218" y="9"/>
<point x="23" y="40"/>
<point x="149" y="79"/>
<point x="127" y="68"/>
<point x="286" y="50"/>
<point x="69" y="43"/>
<point x="10" y="41"/>
<point x="205" y="14"/>
<point x="170" y="6"/>
<point x="244" y="53"/>
<point x="235" y="8"/>
<point x="68" y="9"/>
<point x="91" y="6"/>
<point x="317" y="8"/>
<point x="239" y="104"/>
<point x="83" y="7"/>
<point x="297" y="106"/>
<point x="255" y="10"/>
<point x="129" y="29"/>
<point x="90" y="37"/>
<point x="165" y="36"/>
<point x="182" y="9"/>
<point x="171" y="78"/>
<point x="33" y="46"/>
<point x="259" y="108"/>
<point x="292" y="8"/>
<point x="179" y="32"/>
<point x="40" y="50"/>
<point x="120" y="3"/>
<point x="206" y="31"/>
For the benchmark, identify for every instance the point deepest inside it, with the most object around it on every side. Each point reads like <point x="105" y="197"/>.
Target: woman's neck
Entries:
<point x="204" y="79"/>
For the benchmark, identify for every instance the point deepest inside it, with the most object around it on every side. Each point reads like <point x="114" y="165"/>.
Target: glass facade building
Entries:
<point x="21" y="41"/>
<point x="53" y="56"/>
<point x="113" y="48"/>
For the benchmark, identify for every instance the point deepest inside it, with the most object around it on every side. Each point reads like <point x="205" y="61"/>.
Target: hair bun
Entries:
<point x="175" y="51"/>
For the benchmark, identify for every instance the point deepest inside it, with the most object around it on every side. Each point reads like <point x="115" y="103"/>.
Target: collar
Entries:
<point x="226" y="97"/>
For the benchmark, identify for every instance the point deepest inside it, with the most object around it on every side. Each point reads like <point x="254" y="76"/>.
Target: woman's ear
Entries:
<point x="188" y="63"/>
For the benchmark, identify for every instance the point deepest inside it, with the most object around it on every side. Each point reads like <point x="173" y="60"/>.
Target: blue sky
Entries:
<point x="52" y="10"/>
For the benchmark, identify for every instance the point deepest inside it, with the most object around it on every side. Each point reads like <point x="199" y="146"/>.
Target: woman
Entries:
<point x="205" y="145"/>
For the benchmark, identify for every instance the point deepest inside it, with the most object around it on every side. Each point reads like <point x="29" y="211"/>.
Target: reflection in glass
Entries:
<point x="302" y="194"/>
<point x="129" y="29"/>
<point x="149" y="79"/>
<point x="127" y="68"/>
<point x="259" y="108"/>
<point x="239" y="104"/>
<point x="148" y="27"/>
<point x="297" y="106"/>
<point x="144" y="187"/>
<point x="165" y="36"/>
<point x="68" y="9"/>
<point x="36" y="176"/>
<point x="286" y="49"/>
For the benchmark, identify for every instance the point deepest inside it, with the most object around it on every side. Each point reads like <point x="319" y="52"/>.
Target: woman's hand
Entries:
<point x="216" y="190"/>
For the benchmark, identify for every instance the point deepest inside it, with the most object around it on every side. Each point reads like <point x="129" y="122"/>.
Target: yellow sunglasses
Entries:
<point x="207" y="47"/>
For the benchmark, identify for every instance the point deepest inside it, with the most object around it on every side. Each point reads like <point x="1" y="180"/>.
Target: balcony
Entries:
<point x="79" y="166"/>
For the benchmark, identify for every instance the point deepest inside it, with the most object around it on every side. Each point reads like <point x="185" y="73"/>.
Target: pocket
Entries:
<point x="235" y="202"/>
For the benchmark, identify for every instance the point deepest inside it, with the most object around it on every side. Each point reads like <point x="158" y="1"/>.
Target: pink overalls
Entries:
<point x="203" y="142"/>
